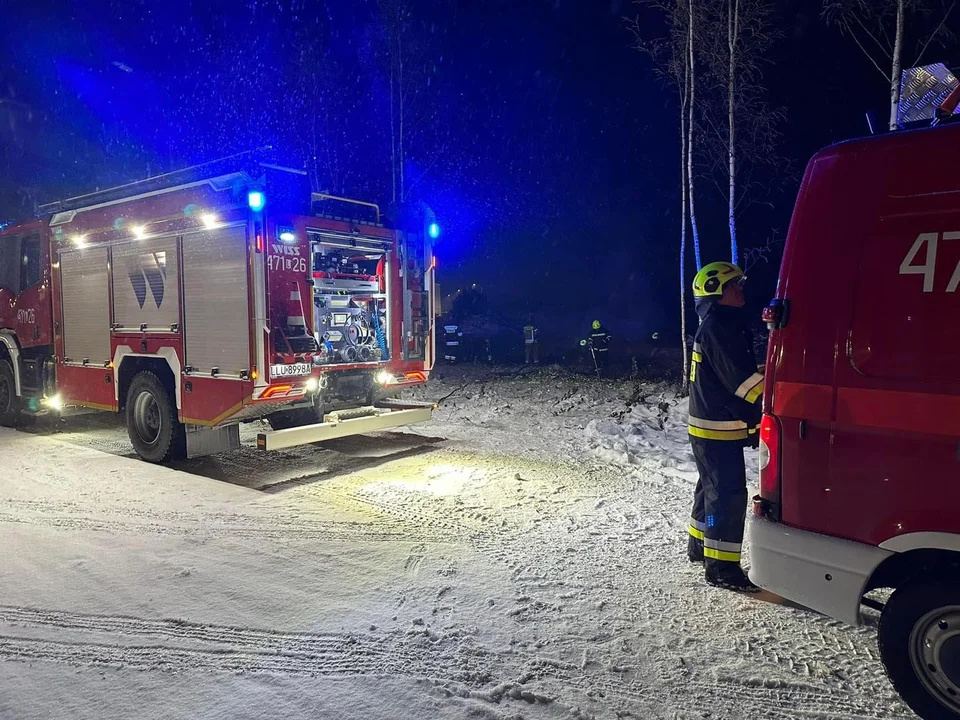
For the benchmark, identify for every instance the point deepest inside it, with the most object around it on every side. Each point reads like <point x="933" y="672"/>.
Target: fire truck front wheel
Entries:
<point x="920" y="646"/>
<point x="152" y="424"/>
<point x="9" y="402"/>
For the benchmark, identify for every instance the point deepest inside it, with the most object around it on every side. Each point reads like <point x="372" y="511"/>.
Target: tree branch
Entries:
<point x="886" y="75"/>
<point x="871" y="36"/>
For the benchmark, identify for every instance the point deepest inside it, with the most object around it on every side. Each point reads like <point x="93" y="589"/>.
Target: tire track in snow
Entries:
<point x="781" y="700"/>
<point x="819" y="666"/>
<point x="185" y="645"/>
<point x="274" y="526"/>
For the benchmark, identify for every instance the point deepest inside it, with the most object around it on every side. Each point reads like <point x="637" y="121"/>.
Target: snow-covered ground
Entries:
<point x="522" y="556"/>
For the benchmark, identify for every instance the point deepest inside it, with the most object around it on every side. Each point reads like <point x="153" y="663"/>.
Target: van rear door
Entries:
<point x="894" y="451"/>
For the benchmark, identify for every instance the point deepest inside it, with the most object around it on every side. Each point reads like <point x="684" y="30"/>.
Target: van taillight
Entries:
<point x="770" y="458"/>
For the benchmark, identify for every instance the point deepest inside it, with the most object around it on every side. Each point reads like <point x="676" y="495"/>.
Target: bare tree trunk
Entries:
<point x="683" y="226"/>
<point x="690" y="137"/>
<point x="403" y="197"/>
<point x="733" y="30"/>
<point x="895" y="69"/>
<point x="393" y="136"/>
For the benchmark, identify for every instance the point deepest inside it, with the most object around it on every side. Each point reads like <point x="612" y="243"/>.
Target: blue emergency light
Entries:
<point x="256" y="200"/>
<point x="433" y="230"/>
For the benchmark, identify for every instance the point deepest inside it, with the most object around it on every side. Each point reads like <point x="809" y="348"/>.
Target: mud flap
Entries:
<point x="209" y="441"/>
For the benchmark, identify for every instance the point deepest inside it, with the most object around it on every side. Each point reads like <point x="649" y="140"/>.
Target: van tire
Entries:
<point x="155" y="431"/>
<point x="918" y="612"/>
<point x="10" y="404"/>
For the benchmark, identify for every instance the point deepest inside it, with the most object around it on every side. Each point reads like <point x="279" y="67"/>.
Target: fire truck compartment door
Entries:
<point x="84" y="282"/>
<point x="215" y="301"/>
<point x="146" y="285"/>
<point x="417" y="276"/>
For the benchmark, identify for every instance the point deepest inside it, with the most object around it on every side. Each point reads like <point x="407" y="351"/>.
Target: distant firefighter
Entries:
<point x="599" y="344"/>
<point x="452" y="337"/>
<point x="531" y="342"/>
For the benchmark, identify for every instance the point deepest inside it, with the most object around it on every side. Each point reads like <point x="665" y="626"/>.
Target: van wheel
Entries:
<point x="920" y="647"/>
<point x="9" y="402"/>
<point x="152" y="424"/>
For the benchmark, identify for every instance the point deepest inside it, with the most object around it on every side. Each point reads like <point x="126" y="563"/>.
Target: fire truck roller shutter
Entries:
<point x="86" y="310"/>
<point x="146" y="284"/>
<point x="216" y="317"/>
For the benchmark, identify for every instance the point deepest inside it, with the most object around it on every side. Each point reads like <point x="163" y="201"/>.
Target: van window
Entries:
<point x="906" y="303"/>
<point x="10" y="262"/>
<point x="30" y="272"/>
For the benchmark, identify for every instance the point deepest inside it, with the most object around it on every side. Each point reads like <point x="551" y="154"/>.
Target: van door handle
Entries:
<point x="803" y="429"/>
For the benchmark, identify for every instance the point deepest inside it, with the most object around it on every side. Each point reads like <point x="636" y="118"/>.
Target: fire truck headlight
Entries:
<point x="384" y="378"/>
<point x="312" y="385"/>
<point x="54" y="403"/>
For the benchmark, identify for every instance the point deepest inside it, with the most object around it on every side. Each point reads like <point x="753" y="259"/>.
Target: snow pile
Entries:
<point x="651" y="434"/>
<point x="535" y="412"/>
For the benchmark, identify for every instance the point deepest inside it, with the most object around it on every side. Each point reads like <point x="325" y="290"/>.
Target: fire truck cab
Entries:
<point x="223" y="293"/>
<point x="860" y="441"/>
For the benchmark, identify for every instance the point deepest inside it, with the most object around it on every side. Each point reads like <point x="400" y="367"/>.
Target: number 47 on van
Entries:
<point x="929" y="266"/>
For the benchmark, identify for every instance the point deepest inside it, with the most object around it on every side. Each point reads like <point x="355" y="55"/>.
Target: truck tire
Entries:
<point x="9" y="402"/>
<point x="155" y="431"/>
<point x="920" y="646"/>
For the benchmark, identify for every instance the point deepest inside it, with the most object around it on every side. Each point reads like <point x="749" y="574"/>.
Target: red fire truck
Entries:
<point x="860" y="443"/>
<point x="223" y="293"/>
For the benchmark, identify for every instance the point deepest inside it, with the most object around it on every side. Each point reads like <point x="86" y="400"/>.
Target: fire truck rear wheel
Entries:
<point x="155" y="431"/>
<point x="9" y="402"/>
<point x="920" y="645"/>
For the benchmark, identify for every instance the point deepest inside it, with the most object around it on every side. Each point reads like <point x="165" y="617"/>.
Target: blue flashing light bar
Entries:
<point x="256" y="200"/>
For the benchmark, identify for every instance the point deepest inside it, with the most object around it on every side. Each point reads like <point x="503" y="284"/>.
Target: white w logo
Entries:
<point x="149" y="269"/>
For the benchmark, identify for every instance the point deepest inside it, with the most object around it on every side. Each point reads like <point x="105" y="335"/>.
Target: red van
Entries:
<point x="860" y="443"/>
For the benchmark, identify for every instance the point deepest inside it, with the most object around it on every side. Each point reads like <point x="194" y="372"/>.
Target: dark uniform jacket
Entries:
<point x="726" y="391"/>
<point x="600" y="339"/>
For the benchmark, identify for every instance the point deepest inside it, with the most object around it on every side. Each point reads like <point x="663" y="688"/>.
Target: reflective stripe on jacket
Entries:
<point x="600" y="340"/>
<point x="726" y="391"/>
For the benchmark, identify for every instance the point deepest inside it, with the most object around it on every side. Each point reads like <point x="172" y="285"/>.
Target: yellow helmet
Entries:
<point x="596" y="324"/>
<point x="710" y="280"/>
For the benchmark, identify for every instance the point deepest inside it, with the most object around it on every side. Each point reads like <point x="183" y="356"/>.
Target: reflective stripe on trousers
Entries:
<point x="720" y="550"/>
<point x="696" y="529"/>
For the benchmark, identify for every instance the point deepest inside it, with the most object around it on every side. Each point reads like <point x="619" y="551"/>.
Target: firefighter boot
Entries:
<point x="695" y="549"/>
<point x="729" y="576"/>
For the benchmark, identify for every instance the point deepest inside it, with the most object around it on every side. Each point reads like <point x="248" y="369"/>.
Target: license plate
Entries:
<point x="292" y="370"/>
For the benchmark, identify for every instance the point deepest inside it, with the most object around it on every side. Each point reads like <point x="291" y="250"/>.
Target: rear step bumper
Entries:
<point x="387" y="414"/>
<point x="824" y="573"/>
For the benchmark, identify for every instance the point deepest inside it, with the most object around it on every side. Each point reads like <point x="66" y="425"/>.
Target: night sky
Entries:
<point x="544" y="142"/>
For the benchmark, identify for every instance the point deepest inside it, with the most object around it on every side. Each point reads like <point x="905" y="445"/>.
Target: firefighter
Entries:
<point x="726" y="393"/>
<point x="531" y="342"/>
<point x="600" y="344"/>
<point x="452" y="337"/>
